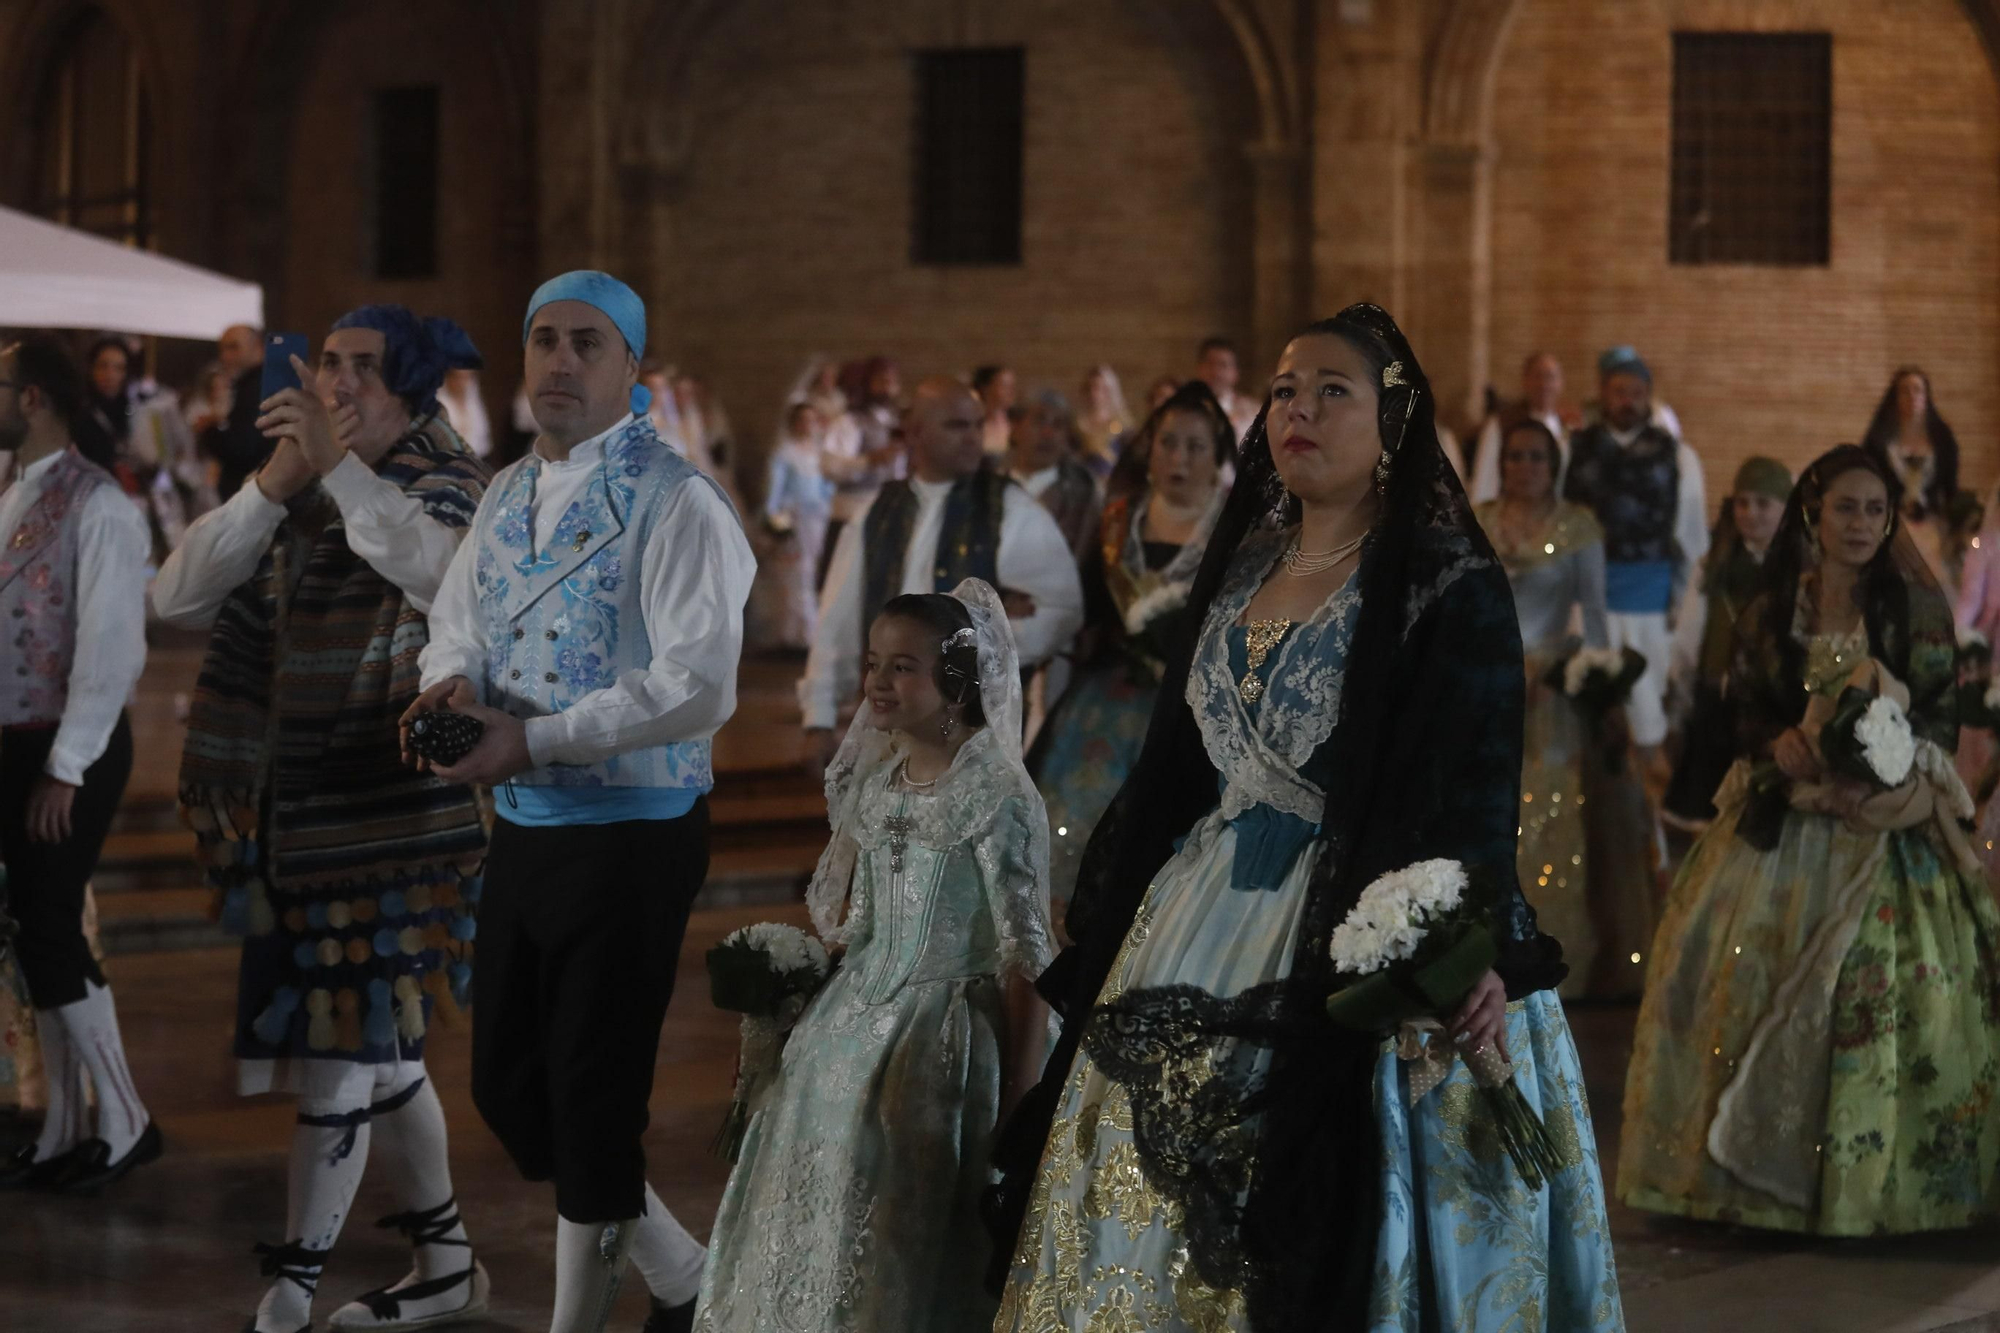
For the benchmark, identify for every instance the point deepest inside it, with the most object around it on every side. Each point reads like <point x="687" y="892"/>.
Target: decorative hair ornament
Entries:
<point x="1394" y="378"/>
<point x="963" y="638"/>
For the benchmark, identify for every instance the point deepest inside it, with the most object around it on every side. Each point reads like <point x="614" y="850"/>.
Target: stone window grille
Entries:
<point x="403" y="205"/>
<point x="1752" y="163"/>
<point x="93" y="134"/>
<point x="966" y="191"/>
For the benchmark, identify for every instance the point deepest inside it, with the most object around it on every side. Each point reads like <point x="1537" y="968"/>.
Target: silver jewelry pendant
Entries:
<point x="1382" y="474"/>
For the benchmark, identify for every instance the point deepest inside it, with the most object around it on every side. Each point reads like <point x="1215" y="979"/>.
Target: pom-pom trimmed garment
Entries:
<point x="351" y="877"/>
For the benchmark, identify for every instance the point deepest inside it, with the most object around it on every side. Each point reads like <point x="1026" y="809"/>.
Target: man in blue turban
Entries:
<point x="592" y="622"/>
<point x="350" y="877"/>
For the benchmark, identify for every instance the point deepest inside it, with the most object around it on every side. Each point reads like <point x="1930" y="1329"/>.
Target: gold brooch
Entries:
<point x="1392" y="376"/>
<point x="581" y="538"/>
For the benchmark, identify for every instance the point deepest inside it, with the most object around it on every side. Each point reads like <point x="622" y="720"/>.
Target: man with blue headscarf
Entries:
<point x="1645" y="486"/>
<point x="592" y="623"/>
<point x="350" y="877"/>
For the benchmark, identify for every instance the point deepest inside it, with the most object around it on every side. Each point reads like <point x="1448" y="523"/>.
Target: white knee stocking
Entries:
<point x="590" y="1261"/>
<point x="410" y="1144"/>
<point x="329" y="1151"/>
<point x="63" y="1128"/>
<point x="666" y="1256"/>
<point x="91" y="1025"/>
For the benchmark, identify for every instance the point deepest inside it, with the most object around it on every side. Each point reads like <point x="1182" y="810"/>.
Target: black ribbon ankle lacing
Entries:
<point x="427" y="1226"/>
<point x="352" y="1121"/>
<point x="294" y="1261"/>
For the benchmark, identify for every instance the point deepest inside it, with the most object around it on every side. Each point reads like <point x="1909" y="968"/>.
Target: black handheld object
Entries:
<point x="445" y="737"/>
<point x="279" y="349"/>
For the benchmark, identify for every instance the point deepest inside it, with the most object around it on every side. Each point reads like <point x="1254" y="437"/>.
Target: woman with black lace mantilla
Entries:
<point x="1207" y="1151"/>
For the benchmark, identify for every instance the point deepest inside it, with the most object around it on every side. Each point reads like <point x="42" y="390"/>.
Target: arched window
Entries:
<point x="93" y="133"/>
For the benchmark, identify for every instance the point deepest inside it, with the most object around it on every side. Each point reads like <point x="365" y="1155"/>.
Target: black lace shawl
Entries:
<point x="1278" y="1178"/>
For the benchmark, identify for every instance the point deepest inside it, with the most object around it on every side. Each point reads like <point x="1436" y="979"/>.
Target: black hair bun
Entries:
<point x="445" y="737"/>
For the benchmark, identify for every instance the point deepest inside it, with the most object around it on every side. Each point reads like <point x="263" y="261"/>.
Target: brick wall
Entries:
<point x="789" y="232"/>
<point x="1779" y="361"/>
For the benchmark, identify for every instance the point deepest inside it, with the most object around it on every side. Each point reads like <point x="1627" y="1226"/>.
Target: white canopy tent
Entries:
<point x="55" y="277"/>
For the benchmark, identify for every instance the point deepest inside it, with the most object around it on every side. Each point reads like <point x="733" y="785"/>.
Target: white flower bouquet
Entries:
<point x="1415" y="951"/>
<point x="1869" y="738"/>
<point x="1596" y="680"/>
<point x="767" y="973"/>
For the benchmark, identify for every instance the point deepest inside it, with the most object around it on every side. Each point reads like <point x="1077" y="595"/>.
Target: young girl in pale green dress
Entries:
<point x="1819" y="1046"/>
<point x="855" y="1204"/>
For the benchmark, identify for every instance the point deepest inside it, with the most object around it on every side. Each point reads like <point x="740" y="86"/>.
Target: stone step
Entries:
<point x="748" y="815"/>
<point x="172" y="911"/>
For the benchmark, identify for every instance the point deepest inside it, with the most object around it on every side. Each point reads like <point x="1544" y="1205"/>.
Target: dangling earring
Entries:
<point x="1281" y="497"/>
<point x="1382" y="474"/>
<point x="950" y="723"/>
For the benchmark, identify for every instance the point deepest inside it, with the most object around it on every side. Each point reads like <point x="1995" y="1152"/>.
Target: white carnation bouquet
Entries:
<point x="1869" y="738"/>
<point x="1598" y="679"/>
<point x="767" y="973"/>
<point x="1415" y="950"/>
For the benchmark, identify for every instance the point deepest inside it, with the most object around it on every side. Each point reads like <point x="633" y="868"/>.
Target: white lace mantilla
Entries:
<point x="1260" y="757"/>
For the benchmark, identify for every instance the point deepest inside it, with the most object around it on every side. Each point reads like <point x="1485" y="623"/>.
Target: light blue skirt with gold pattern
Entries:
<point x="1464" y="1245"/>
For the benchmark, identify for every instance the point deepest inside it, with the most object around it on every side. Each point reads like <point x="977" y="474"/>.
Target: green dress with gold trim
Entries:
<point x="1819" y="1046"/>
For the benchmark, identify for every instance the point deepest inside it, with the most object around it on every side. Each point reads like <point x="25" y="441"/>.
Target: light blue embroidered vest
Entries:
<point x="567" y="620"/>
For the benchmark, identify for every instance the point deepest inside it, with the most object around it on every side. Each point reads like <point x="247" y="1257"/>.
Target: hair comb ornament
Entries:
<point x="1392" y="376"/>
<point x="964" y="638"/>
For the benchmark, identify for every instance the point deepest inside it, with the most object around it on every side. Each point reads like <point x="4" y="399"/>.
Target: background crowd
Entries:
<point x="1643" y="826"/>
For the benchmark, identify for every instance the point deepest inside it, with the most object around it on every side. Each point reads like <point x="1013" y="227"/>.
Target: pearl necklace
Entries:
<point x="911" y="782"/>
<point x="1302" y="564"/>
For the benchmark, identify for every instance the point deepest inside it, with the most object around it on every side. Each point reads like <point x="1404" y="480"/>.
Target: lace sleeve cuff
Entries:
<point x="1012" y="859"/>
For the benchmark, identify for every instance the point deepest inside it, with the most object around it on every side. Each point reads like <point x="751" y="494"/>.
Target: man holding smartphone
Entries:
<point x="591" y="624"/>
<point x="72" y="573"/>
<point x="350" y="878"/>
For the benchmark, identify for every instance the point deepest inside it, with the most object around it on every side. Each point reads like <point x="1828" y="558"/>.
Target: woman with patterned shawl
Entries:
<point x="1166" y="494"/>
<point x="350" y="876"/>
<point x="1207" y="1151"/>
<point x="1553" y="552"/>
<point x="1820" y="1039"/>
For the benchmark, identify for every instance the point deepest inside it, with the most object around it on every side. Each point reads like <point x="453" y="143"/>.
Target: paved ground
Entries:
<point x="169" y="1249"/>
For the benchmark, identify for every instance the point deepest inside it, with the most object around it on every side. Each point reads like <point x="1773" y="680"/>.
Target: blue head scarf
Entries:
<point x="417" y="353"/>
<point x="620" y="304"/>
<point x="1622" y="360"/>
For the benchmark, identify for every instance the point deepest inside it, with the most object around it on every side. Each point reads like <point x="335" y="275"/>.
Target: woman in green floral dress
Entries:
<point x="1819" y="1046"/>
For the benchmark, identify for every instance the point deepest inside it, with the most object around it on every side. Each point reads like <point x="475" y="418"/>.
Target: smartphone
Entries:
<point x="279" y="349"/>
